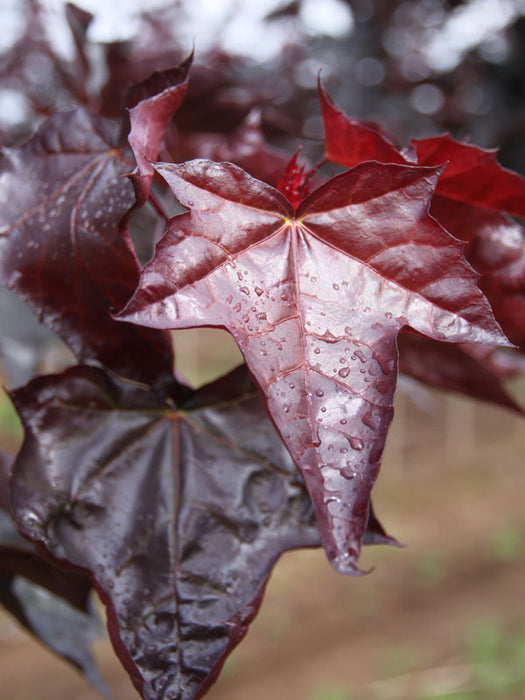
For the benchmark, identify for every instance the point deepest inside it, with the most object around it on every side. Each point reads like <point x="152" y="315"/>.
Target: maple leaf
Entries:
<point x="151" y="106"/>
<point x="62" y="246"/>
<point x="315" y="299"/>
<point x="471" y="196"/>
<point x="177" y="513"/>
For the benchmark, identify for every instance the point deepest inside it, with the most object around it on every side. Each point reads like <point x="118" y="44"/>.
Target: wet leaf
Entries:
<point x="315" y="299"/>
<point x="51" y="603"/>
<point x="472" y="196"/>
<point x="62" y="248"/>
<point x="177" y="514"/>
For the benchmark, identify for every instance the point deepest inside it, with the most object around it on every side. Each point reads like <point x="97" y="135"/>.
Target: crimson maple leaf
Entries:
<point x="473" y="197"/>
<point x="315" y="297"/>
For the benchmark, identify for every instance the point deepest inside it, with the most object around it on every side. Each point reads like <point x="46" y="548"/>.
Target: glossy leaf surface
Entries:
<point x="151" y="106"/>
<point x="63" y="198"/>
<point x="351" y="142"/>
<point x="472" y="195"/>
<point x="315" y="299"/>
<point x="178" y="515"/>
<point x="49" y="602"/>
<point x="473" y="174"/>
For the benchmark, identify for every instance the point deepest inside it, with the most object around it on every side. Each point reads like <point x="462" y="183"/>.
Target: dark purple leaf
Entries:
<point x="19" y="557"/>
<point x="453" y="368"/>
<point x="62" y="248"/>
<point x="6" y="462"/>
<point x="151" y="105"/>
<point x="315" y="299"/>
<point x="51" y="603"/>
<point x="178" y="515"/>
<point x="67" y="631"/>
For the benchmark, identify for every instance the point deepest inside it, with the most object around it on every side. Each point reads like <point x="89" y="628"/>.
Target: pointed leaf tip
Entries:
<point x="151" y="106"/>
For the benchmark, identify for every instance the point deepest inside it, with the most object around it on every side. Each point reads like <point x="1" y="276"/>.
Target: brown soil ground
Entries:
<point x="442" y="618"/>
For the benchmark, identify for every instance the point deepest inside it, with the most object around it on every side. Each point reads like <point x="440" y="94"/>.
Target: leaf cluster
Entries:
<point x="174" y="503"/>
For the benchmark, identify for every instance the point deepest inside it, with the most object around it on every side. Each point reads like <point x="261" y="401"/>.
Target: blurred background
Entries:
<point x="444" y="617"/>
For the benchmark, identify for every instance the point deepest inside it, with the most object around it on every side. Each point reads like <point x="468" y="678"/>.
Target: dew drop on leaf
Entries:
<point x="356" y="443"/>
<point x="344" y="372"/>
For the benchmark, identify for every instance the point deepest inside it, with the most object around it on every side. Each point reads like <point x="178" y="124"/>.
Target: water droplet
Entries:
<point x="314" y="279"/>
<point x="323" y="409"/>
<point x="335" y="286"/>
<point x="261" y="316"/>
<point x="360" y="355"/>
<point x="388" y="314"/>
<point x="229" y="299"/>
<point x="286" y="409"/>
<point x="348" y="473"/>
<point x="292" y="386"/>
<point x="317" y="351"/>
<point x="245" y="318"/>
<point x="342" y="360"/>
<point x="190" y="202"/>
<point x="343" y="421"/>
<point x="344" y="372"/>
<point x="319" y="393"/>
<point x="31" y="520"/>
<point x="367" y="309"/>
<point x="259" y="291"/>
<point x="284" y="297"/>
<point x="237" y="307"/>
<point x="244" y="290"/>
<point x="356" y="443"/>
<point x="343" y="450"/>
<point x="363" y="371"/>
